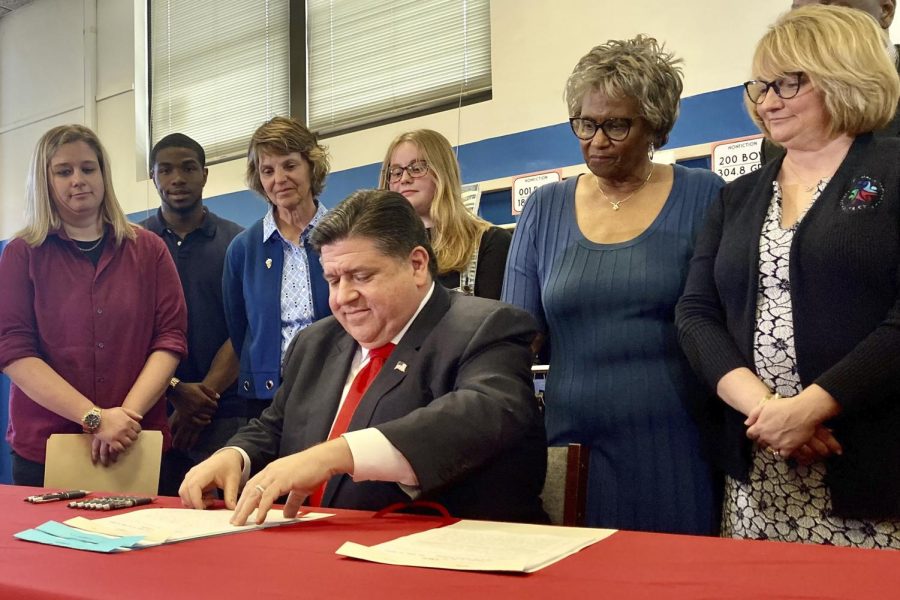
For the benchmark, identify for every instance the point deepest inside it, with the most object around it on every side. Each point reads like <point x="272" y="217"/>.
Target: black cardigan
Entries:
<point x="844" y="292"/>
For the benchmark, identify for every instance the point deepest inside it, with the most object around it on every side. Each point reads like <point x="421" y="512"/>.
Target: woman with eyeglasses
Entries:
<point x="791" y="311"/>
<point x="600" y="261"/>
<point x="471" y="253"/>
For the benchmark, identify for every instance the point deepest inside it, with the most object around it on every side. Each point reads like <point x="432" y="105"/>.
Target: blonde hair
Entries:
<point x="639" y="68"/>
<point x="280" y="136"/>
<point x="844" y="54"/>
<point x="41" y="215"/>
<point x="455" y="231"/>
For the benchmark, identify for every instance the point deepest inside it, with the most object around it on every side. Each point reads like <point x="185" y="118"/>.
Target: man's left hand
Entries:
<point x="185" y="432"/>
<point x="300" y="474"/>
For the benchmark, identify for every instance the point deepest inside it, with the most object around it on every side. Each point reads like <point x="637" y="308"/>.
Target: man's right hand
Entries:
<point x="195" y="401"/>
<point x="222" y="471"/>
<point x="119" y="427"/>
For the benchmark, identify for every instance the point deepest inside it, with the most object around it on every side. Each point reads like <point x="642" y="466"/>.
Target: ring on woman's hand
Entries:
<point x="775" y="452"/>
<point x="260" y="489"/>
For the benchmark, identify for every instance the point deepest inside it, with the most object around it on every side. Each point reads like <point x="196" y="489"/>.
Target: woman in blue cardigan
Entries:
<point x="791" y="310"/>
<point x="273" y="284"/>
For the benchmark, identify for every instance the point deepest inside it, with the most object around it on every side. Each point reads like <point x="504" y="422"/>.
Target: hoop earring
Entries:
<point x="651" y="150"/>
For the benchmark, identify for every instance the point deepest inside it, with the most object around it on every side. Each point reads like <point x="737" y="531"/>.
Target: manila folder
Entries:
<point x="135" y="472"/>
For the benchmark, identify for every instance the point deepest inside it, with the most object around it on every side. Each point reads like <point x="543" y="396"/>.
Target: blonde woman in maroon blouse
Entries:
<point x="92" y="317"/>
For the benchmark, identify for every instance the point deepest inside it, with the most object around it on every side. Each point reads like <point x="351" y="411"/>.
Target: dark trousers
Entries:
<point x="27" y="472"/>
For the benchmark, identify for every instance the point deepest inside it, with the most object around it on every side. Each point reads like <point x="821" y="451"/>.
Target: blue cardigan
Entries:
<point x="251" y="293"/>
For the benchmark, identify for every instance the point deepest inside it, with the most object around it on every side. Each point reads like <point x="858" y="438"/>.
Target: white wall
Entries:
<point x="56" y="53"/>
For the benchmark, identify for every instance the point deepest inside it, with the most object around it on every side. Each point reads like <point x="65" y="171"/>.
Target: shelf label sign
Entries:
<point x="733" y="158"/>
<point x="525" y="185"/>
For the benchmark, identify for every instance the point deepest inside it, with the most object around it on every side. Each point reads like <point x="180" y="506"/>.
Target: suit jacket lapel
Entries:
<point x="392" y="373"/>
<point x="336" y="366"/>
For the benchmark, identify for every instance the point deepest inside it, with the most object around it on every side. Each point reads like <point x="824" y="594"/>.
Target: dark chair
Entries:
<point x="565" y="488"/>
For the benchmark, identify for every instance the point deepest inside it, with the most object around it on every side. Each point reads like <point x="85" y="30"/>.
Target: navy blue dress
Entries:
<point x="618" y="381"/>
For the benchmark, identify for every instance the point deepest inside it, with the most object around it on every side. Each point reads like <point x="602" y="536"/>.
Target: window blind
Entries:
<point x="219" y="69"/>
<point x="371" y="60"/>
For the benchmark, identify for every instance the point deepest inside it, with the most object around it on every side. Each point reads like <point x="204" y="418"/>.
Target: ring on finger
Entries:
<point x="260" y="489"/>
<point x="776" y="453"/>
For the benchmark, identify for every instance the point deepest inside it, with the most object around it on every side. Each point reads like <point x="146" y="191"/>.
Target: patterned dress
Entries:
<point x="783" y="500"/>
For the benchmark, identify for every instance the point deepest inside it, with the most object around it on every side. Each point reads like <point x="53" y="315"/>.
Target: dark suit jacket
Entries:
<point x="463" y="412"/>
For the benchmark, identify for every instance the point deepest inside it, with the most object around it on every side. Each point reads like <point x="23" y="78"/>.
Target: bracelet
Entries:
<point x="769" y="396"/>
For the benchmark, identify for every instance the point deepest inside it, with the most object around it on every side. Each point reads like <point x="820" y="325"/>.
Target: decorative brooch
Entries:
<point x="865" y="193"/>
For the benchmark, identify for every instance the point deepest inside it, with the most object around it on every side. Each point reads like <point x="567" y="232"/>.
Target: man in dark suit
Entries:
<point x="450" y="417"/>
<point x="883" y="12"/>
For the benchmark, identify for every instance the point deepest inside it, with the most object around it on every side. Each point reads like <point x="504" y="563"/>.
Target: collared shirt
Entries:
<point x="200" y="258"/>
<point x="296" y="290"/>
<point x="94" y="326"/>
<point x="375" y="458"/>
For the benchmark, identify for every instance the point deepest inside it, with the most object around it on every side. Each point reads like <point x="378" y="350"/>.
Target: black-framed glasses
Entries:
<point x="616" y="129"/>
<point x="785" y="87"/>
<point x="416" y="169"/>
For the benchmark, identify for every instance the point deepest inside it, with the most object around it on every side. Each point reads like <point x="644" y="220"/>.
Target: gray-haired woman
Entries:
<point x="600" y="260"/>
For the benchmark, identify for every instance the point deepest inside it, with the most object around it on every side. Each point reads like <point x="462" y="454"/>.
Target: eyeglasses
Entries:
<point x="614" y="129"/>
<point x="785" y="87"/>
<point x="416" y="169"/>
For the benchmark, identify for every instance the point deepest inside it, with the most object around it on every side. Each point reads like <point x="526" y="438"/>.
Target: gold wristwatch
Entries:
<point x="90" y="422"/>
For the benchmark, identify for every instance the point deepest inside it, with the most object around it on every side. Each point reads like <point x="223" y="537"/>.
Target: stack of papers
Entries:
<point x="149" y="527"/>
<point x="481" y="546"/>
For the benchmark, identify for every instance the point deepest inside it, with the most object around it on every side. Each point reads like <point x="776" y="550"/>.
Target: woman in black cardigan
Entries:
<point x="791" y="310"/>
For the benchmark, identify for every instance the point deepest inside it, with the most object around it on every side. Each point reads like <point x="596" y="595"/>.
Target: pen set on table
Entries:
<point x="110" y="503"/>
<point x="57" y="496"/>
<point x="103" y="503"/>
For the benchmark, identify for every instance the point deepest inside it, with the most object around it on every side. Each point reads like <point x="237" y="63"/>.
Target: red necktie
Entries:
<point x="361" y="383"/>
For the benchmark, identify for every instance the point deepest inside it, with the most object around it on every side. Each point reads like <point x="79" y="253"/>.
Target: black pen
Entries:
<point x="56" y="496"/>
<point x="135" y="502"/>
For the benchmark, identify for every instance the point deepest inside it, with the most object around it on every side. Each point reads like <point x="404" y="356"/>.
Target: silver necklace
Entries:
<point x="615" y="203"/>
<point x="808" y="188"/>
<point x="94" y="247"/>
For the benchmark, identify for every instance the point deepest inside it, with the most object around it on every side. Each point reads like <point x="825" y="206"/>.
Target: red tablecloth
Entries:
<point x="298" y="561"/>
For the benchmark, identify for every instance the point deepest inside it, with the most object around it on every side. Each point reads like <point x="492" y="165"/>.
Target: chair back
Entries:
<point x="565" y="488"/>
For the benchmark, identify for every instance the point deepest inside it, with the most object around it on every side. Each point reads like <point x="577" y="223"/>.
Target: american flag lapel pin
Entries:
<point x="400" y="366"/>
<point x="268" y="263"/>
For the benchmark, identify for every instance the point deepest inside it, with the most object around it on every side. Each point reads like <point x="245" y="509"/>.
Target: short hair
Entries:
<point x="383" y="216"/>
<point x="638" y="68"/>
<point x="41" y="215"/>
<point x="844" y="54"/>
<point x="177" y="140"/>
<point x="873" y="7"/>
<point x="455" y="231"/>
<point x="280" y="136"/>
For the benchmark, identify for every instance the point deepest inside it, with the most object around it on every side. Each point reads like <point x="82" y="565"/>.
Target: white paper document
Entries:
<point x="168" y="525"/>
<point x="481" y="546"/>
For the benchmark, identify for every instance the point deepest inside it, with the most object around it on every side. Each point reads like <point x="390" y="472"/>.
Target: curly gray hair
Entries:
<point x="638" y="68"/>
